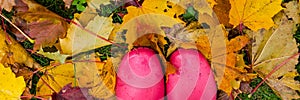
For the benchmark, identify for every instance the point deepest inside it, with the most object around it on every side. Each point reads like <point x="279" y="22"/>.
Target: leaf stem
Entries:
<point x="46" y="83"/>
<point x="273" y="71"/>
<point x="26" y="36"/>
<point x="31" y="96"/>
<point x="92" y="33"/>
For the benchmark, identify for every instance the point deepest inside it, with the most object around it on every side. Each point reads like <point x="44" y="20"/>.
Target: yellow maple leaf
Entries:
<point x="163" y="7"/>
<point x="79" y="40"/>
<point x="11" y="88"/>
<point x="144" y="24"/>
<point x="255" y="14"/>
<point x="202" y="6"/>
<point x="108" y="80"/>
<point x="98" y="77"/>
<point x="56" y="77"/>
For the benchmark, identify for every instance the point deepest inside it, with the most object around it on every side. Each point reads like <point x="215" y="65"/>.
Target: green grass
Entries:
<point x="264" y="92"/>
<point x="58" y="6"/>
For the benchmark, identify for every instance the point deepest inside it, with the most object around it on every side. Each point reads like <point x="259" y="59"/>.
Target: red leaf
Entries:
<point x="71" y="93"/>
<point x="44" y="26"/>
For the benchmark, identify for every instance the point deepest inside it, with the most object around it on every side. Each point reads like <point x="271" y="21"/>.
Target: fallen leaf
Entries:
<point x="293" y="10"/>
<point x="211" y="3"/>
<point x="163" y="7"/>
<point x="70" y="93"/>
<point x="11" y="49"/>
<point x="54" y="55"/>
<point x="255" y="14"/>
<point x="142" y="25"/>
<point x="233" y="72"/>
<point x="98" y="77"/>
<point x="202" y="6"/>
<point x="56" y="77"/>
<point x="13" y="55"/>
<point x="267" y="53"/>
<point x="7" y="4"/>
<point x="79" y="40"/>
<point x="222" y="9"/>
<point x="11" y="88"/>
<point x="68" y="3"/>
<point x="44" y="26"/>
<point x="289" y="81"/>
<point x="188" y="37"/>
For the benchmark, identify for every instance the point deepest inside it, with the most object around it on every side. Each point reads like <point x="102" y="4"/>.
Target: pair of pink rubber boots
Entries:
<point x="141" y="76"/>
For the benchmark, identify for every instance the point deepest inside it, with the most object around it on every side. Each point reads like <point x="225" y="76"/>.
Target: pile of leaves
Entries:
<point x="71" y="49"/>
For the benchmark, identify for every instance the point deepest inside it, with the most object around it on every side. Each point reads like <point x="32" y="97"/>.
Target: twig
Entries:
<point x="26" y="36"/>
<point x="273" y="71"/>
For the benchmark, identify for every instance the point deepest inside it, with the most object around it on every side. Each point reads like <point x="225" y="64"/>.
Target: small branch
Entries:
<point x="26" y="36"/>
<point x="273" y="71"/>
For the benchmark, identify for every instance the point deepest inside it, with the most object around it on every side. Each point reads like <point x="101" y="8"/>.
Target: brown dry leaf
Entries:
<point x="293" y="10"/>
<point x="44" y="26"/>
<point x="188" y="37"/>
<point x="13" y="55"/>
<point x="202" y="6"/>
<point x="11" y="49"/>
<point x="98" y="77"/>
<point x="142" y="25"/>
<point x="204" y="11"/>
<point x="68" y="3"/>
<point x="7" y="4"/>
<point x="234" y="72"/>
<point x="222" y="11"/>
<point x="211" y="3"/>
<point x="90" y="11"/>
<point x="267" y="53"/>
